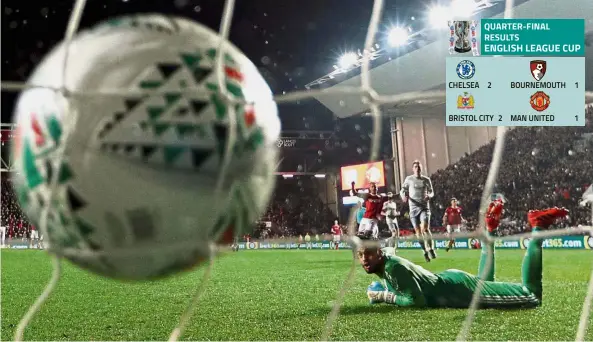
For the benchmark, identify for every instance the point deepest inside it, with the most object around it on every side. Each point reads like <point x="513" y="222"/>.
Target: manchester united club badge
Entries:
<point x="540" y="101"/>
<point x="538" y="69"/>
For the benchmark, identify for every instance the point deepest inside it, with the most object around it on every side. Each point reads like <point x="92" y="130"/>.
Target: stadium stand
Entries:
<point x="543" y="166"/>
<point x="296" y="209"/>
<point x="12" y="217"/>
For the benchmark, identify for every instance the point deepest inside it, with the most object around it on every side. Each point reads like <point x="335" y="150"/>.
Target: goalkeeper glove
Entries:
<point x="377" y="293"/>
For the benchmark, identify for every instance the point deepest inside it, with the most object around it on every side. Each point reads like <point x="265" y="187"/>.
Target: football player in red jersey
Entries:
<point x="337" y="233"/>
<point x="369" y="225"/>
<point x="452" y="220"/>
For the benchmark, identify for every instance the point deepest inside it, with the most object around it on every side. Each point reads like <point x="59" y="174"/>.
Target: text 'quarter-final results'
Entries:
<point x="529" y="72"/>
<point x="515" y="91"/>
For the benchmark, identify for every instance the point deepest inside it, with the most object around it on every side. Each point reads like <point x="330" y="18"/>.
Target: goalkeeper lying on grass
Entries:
<point x="407" y="284"/>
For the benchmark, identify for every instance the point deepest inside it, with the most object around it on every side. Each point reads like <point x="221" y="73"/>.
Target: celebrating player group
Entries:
<point x="406" y="284"/>
<point x="417" y="190"/>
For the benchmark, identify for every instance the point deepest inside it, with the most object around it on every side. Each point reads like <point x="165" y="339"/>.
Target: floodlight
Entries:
<point x="398" y="36"/>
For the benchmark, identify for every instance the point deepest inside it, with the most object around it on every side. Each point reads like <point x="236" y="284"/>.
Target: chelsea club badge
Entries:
<point x="466" y="70"/>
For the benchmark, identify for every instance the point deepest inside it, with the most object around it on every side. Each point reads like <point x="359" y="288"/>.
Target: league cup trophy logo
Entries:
<point x="462" y="44"/>
<point x="463" y="37"/>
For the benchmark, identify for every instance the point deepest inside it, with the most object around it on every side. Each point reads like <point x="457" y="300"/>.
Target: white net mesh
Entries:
<point x="374" y="101"/>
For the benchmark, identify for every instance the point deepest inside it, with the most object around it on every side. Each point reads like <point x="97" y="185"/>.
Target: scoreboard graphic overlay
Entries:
<point x="516" y="72"/>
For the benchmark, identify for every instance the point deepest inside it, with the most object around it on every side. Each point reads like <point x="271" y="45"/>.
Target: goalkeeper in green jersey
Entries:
<point x="407" y="284"/>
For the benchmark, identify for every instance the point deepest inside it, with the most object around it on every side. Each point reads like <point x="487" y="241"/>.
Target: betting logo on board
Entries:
<point x="538" y="69"/>
<point x="466" y="70"/>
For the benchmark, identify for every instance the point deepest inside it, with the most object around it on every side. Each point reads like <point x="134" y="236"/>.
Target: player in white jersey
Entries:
<point x="34" y="241"/>
<point x="390" y="212"/>
<point x="418" y="190"/>
<point x="2" y="235"/>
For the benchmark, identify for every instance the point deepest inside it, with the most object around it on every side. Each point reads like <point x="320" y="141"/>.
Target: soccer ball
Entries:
<point x="151" y="170"/>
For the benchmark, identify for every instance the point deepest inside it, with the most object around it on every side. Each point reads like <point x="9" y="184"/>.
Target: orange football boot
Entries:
<point x="544" y="218"/>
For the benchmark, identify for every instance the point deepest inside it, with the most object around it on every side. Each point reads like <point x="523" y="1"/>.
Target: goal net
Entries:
<point x="375" y="103"/>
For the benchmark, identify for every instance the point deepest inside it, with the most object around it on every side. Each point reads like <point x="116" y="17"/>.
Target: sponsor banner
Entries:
<point x="304" y="143"/>
<point x="16" y="244"/>
<point x="566" y="242"/>
<point x="302" y="245"/>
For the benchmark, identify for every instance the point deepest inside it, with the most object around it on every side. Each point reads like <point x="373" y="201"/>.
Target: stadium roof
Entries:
<point x="422" y="69"/>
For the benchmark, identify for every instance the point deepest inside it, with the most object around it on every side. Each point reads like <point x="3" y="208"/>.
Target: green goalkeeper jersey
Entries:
<point x="415" y="286"/>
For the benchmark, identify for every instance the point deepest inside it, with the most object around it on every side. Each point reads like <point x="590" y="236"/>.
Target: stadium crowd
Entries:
<point x="296" y="208"/>
<point x="542" y="167"/>
<point x="16" y="223"/>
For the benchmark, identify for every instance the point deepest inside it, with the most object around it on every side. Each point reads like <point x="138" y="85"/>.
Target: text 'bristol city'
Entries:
<point x="470" y="118"/>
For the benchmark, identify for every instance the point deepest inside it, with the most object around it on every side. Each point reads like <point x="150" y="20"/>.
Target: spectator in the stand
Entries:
<point x="16" y="223"/>
<point x="295" y="209"/>
<point x="541" y="167"/>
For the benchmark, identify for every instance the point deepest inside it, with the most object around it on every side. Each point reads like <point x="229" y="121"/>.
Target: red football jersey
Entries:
<point x="453" y="215"/>
<point x="336" y="230"/>
<point x="373" y="206"/>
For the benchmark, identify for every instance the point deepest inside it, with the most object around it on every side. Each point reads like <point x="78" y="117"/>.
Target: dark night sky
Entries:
<point x="292" y="42"/>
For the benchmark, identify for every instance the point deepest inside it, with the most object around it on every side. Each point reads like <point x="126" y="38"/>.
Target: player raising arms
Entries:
<point x="418" y="190"/>
<point x="452" y="220"/>
<point x="337" y="233"/>
<point x="373" y="202"/>
<point x="407" y="284"/>
<point x="390" y="212"/>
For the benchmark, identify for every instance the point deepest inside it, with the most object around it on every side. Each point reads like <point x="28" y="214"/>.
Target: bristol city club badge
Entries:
<point x="538" y="69"/>
<point x="465" y="101"/>
<point x="540" y="101"/>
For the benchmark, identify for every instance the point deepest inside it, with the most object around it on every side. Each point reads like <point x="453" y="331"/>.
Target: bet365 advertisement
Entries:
<point x="564" y="242"/>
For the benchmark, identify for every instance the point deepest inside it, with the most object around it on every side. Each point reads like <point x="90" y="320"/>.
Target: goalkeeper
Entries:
<point x="407" y="284"/>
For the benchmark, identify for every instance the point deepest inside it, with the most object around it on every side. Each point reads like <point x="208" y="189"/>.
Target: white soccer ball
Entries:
<point x="136" y="195"/>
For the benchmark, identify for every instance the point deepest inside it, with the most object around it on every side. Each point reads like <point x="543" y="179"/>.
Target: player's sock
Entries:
<point x="532" y="267"/>
<point x="450" y="245"/>
<point x="486" y="248"/>
<point x="422" y="245"/>
<point x="431" y="251"/>
<point x="429" y="241"/>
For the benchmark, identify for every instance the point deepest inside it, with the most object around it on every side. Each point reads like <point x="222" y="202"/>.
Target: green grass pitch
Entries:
<point x="280" y="295"/>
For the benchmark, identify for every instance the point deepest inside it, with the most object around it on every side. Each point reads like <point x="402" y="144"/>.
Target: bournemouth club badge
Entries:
<point x="538" y="69"/>
<point x="540" y="101"/>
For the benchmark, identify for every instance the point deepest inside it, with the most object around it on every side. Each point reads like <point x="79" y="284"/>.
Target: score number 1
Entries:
<point x="576" y="117"/>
